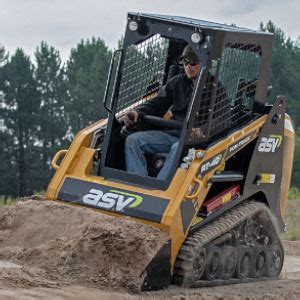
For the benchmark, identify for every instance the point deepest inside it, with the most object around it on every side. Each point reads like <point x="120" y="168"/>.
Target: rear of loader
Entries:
<point x="224" y="204"/>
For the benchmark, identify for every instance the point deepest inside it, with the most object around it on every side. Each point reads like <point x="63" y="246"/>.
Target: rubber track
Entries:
<point x="184" y="263"/>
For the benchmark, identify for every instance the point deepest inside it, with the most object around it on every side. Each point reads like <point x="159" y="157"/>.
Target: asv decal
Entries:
<point x="270" y="144"/>
<point x="114" y="200"/>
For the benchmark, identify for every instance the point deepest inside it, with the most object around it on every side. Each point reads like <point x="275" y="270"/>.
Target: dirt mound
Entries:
<point x="62" y="244"/>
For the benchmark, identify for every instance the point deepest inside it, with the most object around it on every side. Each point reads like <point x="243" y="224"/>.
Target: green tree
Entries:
<point x="19" y="110"/>
<point x="86" y="74"/>
<point x="2" y="53"/>
<point x="52" y="126"/>
<point x="8" y="167"/>
<point x="285" y="70"/>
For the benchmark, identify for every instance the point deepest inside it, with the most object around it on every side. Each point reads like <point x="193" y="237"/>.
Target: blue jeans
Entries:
<point x="150" y="142"/>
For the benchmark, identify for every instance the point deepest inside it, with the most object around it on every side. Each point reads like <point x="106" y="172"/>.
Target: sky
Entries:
<point x="63" y="23"/>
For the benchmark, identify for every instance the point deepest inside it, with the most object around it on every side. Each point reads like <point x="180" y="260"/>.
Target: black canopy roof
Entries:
<point x="198" y="23"/>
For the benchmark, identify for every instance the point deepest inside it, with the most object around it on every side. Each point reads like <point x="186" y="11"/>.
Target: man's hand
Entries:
<point x="196" y="133"/>
<point x="131" y="118"/>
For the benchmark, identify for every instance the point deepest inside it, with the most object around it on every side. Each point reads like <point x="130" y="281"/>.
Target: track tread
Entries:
<point x="184" y="266"/>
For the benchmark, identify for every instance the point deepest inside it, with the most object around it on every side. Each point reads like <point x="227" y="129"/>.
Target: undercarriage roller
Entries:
<point x="229" y="262"/>
<point x="199" y="264"/>
<point x="274" y="261"/>
<point x="244" y="262"/>
<point x="213" y="263"/>
<point x="259" y="262"/>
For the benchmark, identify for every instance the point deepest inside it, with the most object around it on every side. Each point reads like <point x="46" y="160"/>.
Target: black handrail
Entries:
<point x="108" y="80"/>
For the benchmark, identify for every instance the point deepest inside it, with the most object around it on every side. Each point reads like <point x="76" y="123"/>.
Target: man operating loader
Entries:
<point x="175" y="94"/>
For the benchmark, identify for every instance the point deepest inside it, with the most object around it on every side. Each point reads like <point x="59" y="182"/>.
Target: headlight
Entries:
<point x="133" y="25"/>
<point x="196" y="37"/>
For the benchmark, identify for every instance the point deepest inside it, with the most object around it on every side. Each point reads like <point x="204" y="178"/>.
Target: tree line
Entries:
<point x="44" y="103"/>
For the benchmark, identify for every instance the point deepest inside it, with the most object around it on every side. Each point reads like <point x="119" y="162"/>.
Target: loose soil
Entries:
<point x="52" y="250"/>
<point x="60" y="244"/>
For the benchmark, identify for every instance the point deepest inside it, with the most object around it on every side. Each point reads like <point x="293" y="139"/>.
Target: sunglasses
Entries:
<point x="192" y="63"/>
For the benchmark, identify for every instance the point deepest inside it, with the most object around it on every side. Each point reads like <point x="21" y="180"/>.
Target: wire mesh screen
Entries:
<point x="229" y="92"/>
<point x="143" y="71"/>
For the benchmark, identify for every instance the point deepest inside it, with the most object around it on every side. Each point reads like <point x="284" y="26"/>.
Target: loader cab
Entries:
<point x="232" y="78"/>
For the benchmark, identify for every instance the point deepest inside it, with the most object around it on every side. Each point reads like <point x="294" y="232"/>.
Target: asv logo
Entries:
<point x="270" y="144"/>
<point x="114" y="200"/>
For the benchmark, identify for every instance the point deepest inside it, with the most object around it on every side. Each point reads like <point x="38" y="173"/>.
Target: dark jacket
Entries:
<point x="174" y="96"/>
<point x="176" y="93"/>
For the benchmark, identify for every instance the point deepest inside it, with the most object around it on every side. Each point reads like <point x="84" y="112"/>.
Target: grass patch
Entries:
<point x="294" y="193"/>
<point x="292" y="218"/>
<point x="7" y="200"/>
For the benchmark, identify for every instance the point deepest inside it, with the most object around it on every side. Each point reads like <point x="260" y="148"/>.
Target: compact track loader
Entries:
<point x="223" y="206"/>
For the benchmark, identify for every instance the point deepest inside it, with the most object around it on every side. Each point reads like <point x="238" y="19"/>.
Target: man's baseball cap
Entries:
<point x="188" y="53"/>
